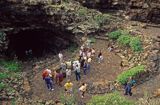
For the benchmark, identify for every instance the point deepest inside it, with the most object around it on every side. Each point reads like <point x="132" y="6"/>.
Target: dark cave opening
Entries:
<point x="37" y="43"/>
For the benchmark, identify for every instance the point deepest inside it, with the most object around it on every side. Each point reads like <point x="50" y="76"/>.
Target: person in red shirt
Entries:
<point x="46" y="73"/>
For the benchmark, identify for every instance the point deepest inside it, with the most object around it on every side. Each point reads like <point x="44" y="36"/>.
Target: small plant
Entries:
<point x="68" y="100"/>
<point x="100" y="19"/>
<point x="115" y="34"/>
<point x="92" y="39"/>
<point x="135" y="44"/>
<point x="110" y="99"/>
<point x="124" y="40"/>
<point x="11" y="65"/>
<point x="2" y="85"/>
<point x="4" y="75"/>
<point x="123" y="77"/>
<point x="82" y="12"/>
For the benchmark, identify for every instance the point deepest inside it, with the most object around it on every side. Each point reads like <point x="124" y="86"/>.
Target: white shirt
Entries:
<point x="49" y="71"/>
<point x="60" y="55"/>
<point x="89" y="60"/>
<point x="68" y="72"/>
<point x="88" y="54"/>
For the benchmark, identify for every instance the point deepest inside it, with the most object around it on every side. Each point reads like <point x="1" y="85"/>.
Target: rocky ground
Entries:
<point x="29" y="86"/>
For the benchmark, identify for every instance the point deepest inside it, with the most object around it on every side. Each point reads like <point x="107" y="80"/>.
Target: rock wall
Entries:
<point x="68" y="17"/>
<point x="142" y="10"/>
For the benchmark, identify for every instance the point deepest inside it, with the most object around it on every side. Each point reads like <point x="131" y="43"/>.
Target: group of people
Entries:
<point x="81" y="65"/>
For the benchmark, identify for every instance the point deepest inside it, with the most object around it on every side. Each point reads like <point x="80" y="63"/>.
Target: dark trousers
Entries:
<point x="85" y="71"/>
<point x="78" y="76"/>
<point x="49" y="85"/>
<point x="128" y="91"/>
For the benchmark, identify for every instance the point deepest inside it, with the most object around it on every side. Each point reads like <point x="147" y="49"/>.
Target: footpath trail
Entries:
<point x="106" y="71"/>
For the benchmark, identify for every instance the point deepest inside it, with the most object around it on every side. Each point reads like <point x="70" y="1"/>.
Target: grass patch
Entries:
<point x="69" y="100"/>
<point x="82" y="12"/>
<point x="2" y="85"/>
<point x="10" y="65"/>
<point x="136" y="44"/>
<point x="115" y="34"/>
<point x="101" y="19"/>
<point x="110" y="99"/>
<point x="123" y="77"/>
<point x="4" y="75"/>
<point x="124" y="40"/>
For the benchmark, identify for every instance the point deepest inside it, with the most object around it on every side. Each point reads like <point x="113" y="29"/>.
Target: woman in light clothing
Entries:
<point x="83" y="89"/>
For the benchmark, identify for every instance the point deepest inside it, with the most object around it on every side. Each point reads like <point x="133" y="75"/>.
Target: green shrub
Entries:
<point x="69" y="100"/>
<point x="115" y="34"/>
<point x="4" y="75"/>
<point x="110" y="99"/>
<point x="100" y="19"/>
<point x="2" y="85"/>
<point x="135" y="44"/>
<point x="82" y="12"/>
<point x="124" y="40"/>
<point x="11" y="65"/>
<point x="123" y="77"/>
<point x="92" y="39"/>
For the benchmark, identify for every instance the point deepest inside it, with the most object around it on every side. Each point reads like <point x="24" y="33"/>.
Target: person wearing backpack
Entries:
<point x="49" y="82"/>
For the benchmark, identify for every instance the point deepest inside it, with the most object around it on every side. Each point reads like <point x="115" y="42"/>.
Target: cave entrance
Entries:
<point x="38" y="42"/>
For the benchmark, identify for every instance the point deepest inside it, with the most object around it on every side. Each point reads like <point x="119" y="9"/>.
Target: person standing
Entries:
<point x="77" y="73"/>
<point x="93" y="51"/>
<point x="68" y="73"/>
<point x="85" y="68"/>
<point x="46" y="73"/>
<point x="60" y="55"/>
<point x="59" y="78"/>
<point x="83" y="89"/>
<point x="100" y="57"/>
<point x="128" y="89"/>
<point x="69" y="87"/>
<point x="49" y="82"/>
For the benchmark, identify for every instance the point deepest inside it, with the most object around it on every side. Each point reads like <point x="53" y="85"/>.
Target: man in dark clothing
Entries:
<point x="85" y="68"/>
<point x="77" y="73"/>
<point x="49" y="81"/>
<point x="128" y="89"/>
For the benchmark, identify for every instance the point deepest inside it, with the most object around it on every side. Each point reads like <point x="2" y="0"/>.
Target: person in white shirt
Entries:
<point x="60" y="55"/>
<point x="68" y="73"/>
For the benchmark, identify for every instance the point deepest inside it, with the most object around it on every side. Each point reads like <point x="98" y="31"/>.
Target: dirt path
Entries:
<point x="147" y="88"/>
<point x="106" y="71"/>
